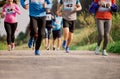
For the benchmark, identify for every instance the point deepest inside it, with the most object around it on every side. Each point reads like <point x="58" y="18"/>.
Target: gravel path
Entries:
<point x="23" y="64"/>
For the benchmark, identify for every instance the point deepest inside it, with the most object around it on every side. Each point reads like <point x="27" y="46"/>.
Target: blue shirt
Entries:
<point x="36" y="8"/>
<point x="57" y="23"/>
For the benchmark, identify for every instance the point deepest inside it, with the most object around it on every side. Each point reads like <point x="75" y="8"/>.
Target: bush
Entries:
<point x="114" y="47"/>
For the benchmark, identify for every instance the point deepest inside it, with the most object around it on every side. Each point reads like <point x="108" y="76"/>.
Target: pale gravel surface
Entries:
<point x="23" y="64"/>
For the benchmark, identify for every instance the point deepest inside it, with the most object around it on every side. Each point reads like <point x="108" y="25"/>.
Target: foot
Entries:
<point x="37" y="52"/>
<point x="12" y="46"/>
<point x="97" y="51"/>
<point x="53" y="48"/>
<point x="30" y="43"/>
<point x="58" y="49"/>
<point x="104" y="53"/>
<point x="64" y="44"/>
<point x="9" y="47"/>
<point x="67" y="49"/>
<point x="48" y="48"/>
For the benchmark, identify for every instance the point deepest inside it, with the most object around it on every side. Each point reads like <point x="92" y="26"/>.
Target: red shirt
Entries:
<point x="104" y="14"/>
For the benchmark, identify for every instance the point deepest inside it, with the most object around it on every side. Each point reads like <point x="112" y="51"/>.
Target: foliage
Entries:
<point x="87" y="35"/>
<point x="85" y="20"/>
<point x="21" y="38"/>
<point x="3" y="45"/>
<point x="115" y="32"/>
<point x="2" y="38"/>
<point x="2" y="3"/>
<point x="114" y="47"/>
<point x="90" y="47"/>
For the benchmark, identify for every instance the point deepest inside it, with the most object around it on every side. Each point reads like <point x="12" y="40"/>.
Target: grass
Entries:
<point x="3" y="46"/>
<point x="114" y="47"/>
<point x="90" y="47"/>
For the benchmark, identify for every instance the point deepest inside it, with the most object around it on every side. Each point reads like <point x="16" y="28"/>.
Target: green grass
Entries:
<point x="3" y="46"/>
<point x="114" y="47"/>
<point x="85" y="47"/>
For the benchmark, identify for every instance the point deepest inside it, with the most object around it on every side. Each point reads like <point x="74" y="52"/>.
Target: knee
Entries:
<point x="36" y="35"/>
<point x="100" y="36"/>
<point x="106" y="35"/>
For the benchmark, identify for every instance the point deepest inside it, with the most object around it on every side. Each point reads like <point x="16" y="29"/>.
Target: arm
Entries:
<point x="77" y="7"/>
<point x="25" y="6"/>
<point x="114" y="7"/>
<point x="59" y="7"/>
<point x="48" y="4"/>
<point x="53" y="16"/>
<point x="17" y="9"/>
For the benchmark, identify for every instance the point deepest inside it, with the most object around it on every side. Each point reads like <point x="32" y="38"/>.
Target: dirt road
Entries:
<point x="23" y="64"/>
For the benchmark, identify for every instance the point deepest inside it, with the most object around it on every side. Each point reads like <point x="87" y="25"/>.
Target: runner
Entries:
<point x="9" y="12"/>
<point x="48" y="28"/>
<point x="70" y="7"/>
<point x="57" y="31"/>
<point x="104" y="23"/>
<point x="37" y="13"/>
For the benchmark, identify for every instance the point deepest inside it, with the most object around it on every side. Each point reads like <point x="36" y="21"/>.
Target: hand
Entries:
<point x="44" y="5"/>
<point x="101" y="3"/>
<point x="75" y="9"/>
<point x="2" y="15"/>
<point x="12" y="8"/>
<point x="108" y="5"/>
<point x="53" y="26"/>
<point x="26" y="6"/>
<point x="52" y="17"/>
<point x="57" y="12"/>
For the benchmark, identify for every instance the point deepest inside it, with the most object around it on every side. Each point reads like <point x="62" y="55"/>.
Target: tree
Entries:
<point x="2" y="2"/>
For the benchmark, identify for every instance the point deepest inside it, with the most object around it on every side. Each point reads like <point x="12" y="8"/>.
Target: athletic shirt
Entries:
<point x="36" y="8"/>
<point x="68" y="7"/>
<point x="104" y="12"/>
<point x="58" y="23"/>
<point x="10" y="14"/>
<point x="49" y="19"/>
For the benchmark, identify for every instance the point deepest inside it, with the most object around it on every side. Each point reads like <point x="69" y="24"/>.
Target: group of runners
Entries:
<point x="43" y="22"/>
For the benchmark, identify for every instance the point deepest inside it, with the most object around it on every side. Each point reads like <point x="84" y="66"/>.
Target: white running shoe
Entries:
<point x="97" y="50"/>
<point x="104" y="53"/>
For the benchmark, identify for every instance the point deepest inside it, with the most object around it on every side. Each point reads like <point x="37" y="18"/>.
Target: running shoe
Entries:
<point x="104" y="53"/>
<point x="37" y="52"/>
<point x="64" y="44"/>
<point x="9" y="47"/>
<point x="53" y="48"/>
<point x="30" y="42"/>
<point x="12" y="46"/>
<point x="67" y="49"/>
<point x="97" y="50"/>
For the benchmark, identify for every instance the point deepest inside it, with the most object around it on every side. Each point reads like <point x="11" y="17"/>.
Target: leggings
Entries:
<point x="10" y="30"/>
<point x="103" y="27"/>
<point x="37" y="26"/>
<point x="48" y="32"/>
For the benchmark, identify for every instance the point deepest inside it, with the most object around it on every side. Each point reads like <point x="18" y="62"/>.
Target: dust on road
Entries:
<point x="23" y="64"/>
